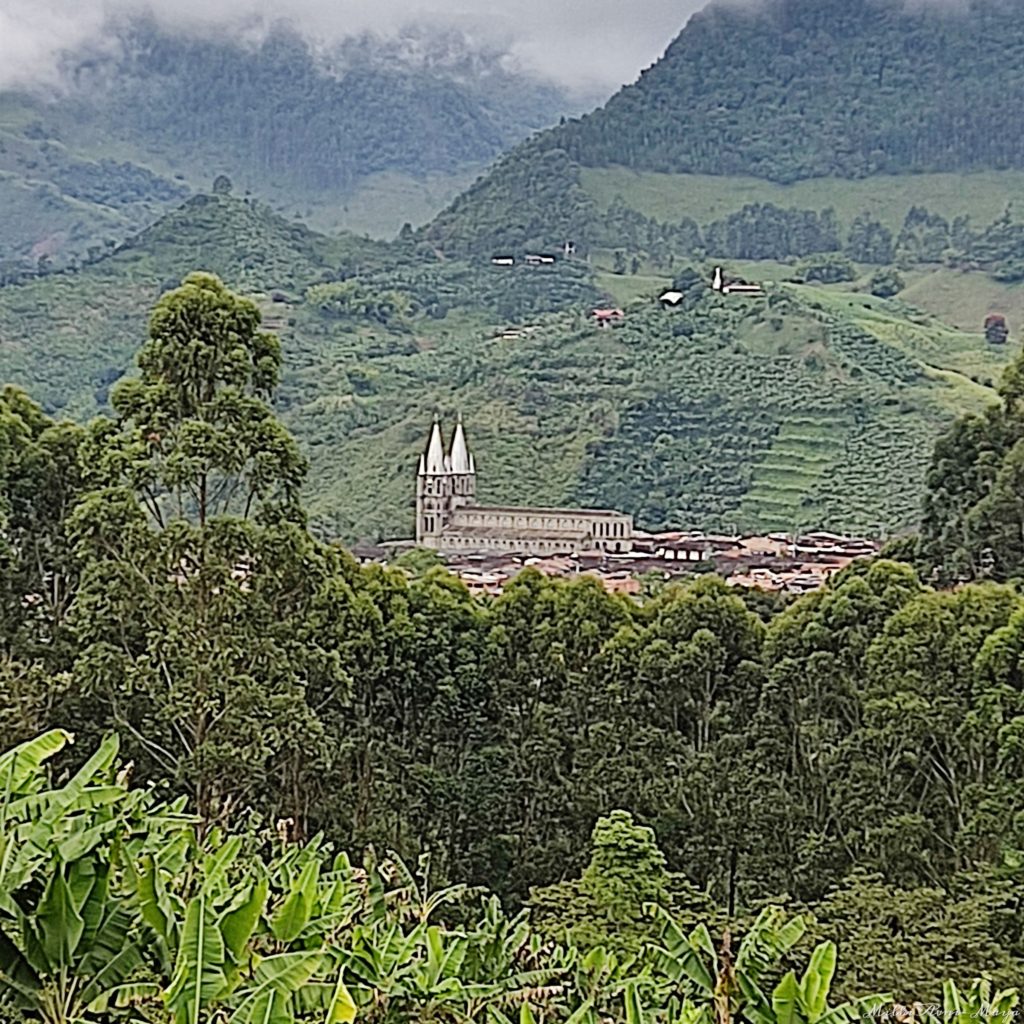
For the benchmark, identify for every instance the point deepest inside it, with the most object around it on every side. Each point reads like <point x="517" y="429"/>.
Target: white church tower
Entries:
<point x="462" y="468"/>
<point x="444" y="482"/>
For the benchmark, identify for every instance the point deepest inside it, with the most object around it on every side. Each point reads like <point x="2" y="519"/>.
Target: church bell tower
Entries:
<point x="462" y="468"/>
<point x="443" y="483"/>
<point x="432" y="490"/>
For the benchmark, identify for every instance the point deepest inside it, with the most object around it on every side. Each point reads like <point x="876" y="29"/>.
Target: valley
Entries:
<point x="478" y="552"/>
<point x="814" y="407"/>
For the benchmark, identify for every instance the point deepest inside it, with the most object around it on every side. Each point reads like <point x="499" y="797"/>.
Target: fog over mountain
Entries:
<point x="585" y="45"/>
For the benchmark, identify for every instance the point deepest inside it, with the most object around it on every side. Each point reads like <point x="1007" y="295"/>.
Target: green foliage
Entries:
<point x="826" y="268"/>
<point x="353" y="300"/>
<point x="798" y="89"/>
<point x="886" y="282"/>
<point x="763" y="231"/>
<point x="197" y="437"/>
<point x="68" y="938"/>
<point x="869" y="241"/>
<point x="871" y="726"/>
<point x="531" y="201"/>
<point x="840" y="388"/>
<point x="193" y="926"/>
<point x="924" y="239"/>
<point x="300" y="128"/>
<point x="903" y="940"/>
<point x="606" y="905"/>
<point x="971" y="520"/>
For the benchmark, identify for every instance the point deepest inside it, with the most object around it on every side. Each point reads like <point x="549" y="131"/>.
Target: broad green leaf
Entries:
<point x="697" y="970"/>
<point x="595" y="960"/>
<point x="238" y="925"/>
<point x="817" y="980"/>
<point x="58" y="922"/>
<point x="758" y="1007"/>
<point x="217" y="864"/>
<point x="130" y="994"/>
<point x="343" y="1008"/>
<point x="199" y="969"/>
<point x="293" y="914"/>
<point x="634" y="1009"/>
<point x="951" y="1002"/>
<point x="150" y="901"/>
<point x="114" y="973"/>
<point x="791" y="933"/>
<point x="91" y="897"/>
<point x="786" y="1001"/>
<point x="15" y="971"/>
<point x="583" y="1014"/>
<point x="21" y="765"/>
<point x="526" y="1013"/>
<point x="96" y="769"/>
<point x="280" y="976"/>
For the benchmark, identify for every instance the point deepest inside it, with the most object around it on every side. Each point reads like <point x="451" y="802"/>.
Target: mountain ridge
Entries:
<point x="765" y="413"/>
<point x="784" y="91"/>
<point x="159" y="115"/>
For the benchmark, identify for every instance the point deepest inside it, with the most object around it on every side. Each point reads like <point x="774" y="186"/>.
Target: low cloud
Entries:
<point x="586" y="45"/>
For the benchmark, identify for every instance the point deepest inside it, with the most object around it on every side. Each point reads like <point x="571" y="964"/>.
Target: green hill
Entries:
<point x="368" y="135"/>
<point x="775" y="130"/>
<point x="812" y="405"/>
<point x="794" y="89"/>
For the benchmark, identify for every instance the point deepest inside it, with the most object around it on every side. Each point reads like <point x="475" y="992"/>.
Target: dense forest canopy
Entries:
<point x="791" y="89"/>
<point x="140" y="915"/>
<point x="857" y="748"/>
<point x="319" y="121"/>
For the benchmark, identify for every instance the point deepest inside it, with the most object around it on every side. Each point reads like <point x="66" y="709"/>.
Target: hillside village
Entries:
<point x="777" y="563"/>
<point x="450" y="579"/>
<point x="487" y="547"/>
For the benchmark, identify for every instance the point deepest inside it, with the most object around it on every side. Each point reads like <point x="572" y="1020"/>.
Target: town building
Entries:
<point x="448" y="518"/>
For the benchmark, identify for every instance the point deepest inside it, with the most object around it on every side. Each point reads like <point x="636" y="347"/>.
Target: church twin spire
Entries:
<point x="458" y="461"/>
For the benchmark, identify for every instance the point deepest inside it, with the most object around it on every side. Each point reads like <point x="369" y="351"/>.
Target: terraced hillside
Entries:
<point x="809" y="406"/>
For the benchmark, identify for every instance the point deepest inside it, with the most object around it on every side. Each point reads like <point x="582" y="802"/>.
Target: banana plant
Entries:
<point x="402" y="965"/>
<point x="236" y="941"/>
<point x="67" y="935"/>
<point x="979" y="1002"/>
<point x="805" y="1000"/>
<point x="713" y="986"/>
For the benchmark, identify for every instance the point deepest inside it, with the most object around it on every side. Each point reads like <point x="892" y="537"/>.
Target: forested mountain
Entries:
<point x="791" y="89"/>
<point x="156" y="114"/>
<point x="834" y="778"/>
<point x="281" y="112"/>
<point x="781" y="92"/>
<point x="809" y="406"/>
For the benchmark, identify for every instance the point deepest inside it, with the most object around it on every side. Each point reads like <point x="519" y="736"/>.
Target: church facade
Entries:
<point x="448" y="517"/>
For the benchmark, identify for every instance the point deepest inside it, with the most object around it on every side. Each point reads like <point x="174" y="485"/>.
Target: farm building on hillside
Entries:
<point x="733" y="285"/>
<point x="607" y="317"/>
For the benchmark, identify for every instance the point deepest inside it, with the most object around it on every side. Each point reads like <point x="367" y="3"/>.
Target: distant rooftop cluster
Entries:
<point x="773" y="562"/>
<point x="488" y="545"/>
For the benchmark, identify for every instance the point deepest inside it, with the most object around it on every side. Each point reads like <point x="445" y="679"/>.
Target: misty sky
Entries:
<point x="586" y="44"/>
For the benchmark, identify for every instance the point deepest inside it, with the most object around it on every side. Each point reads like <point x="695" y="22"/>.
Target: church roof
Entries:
<point x="460" y="453"/>
<point x="524" y="534"/>
<point x="542" y="510"/>
<point x="435" y="451"/>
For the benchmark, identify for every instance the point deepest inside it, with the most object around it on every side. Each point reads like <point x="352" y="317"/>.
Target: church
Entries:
<point x="448" y="518"/>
